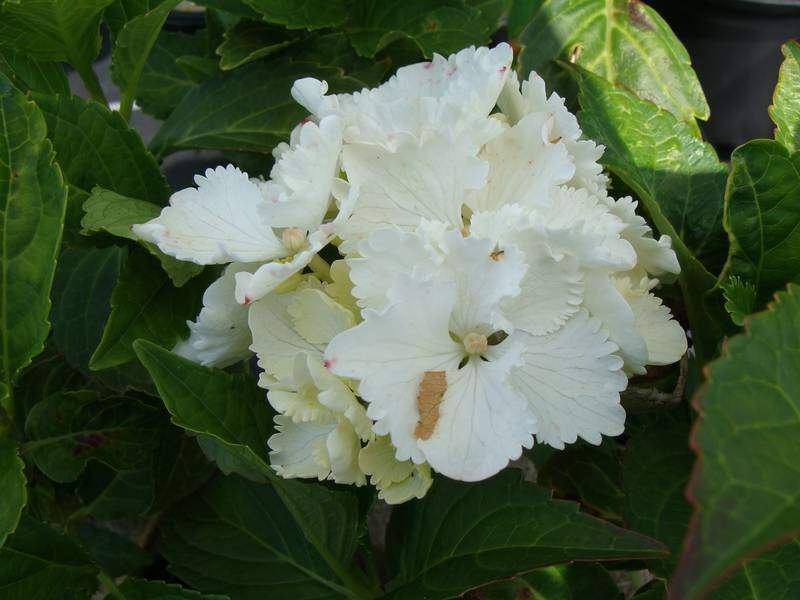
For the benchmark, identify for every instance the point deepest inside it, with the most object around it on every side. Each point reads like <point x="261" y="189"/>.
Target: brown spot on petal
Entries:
<point x="497" y="255"/>
<point x="431" y="391"/>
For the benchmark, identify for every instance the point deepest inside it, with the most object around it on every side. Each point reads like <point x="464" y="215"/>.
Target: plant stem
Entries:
<point x="321" y="268"/>
<point x="92" y="83"/>
<point x="109" y="584"/>
<point x="126" y="106"/>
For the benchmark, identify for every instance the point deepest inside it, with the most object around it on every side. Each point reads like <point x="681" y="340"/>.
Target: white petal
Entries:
<point x="343" y="446"/>
<point x="532" y="98"/>
<point x="275" y="340"/>
<point x="663" y="335"/>
<point x="472" y="78"/>
<point x="589" y="174"/>
<point x="216" y="222"/>
<point x="297" y="397"/>
<point x="219" y="337"/>
<point x="389" y="351"/>
<point x="580" y="223"/>
<point x="253" y="286"/>
<point x="572" y="380"/>
<point x="524" y="166"/>
<point x="604" y="302"/>
<point x="299" y="192"/>
<point x="484" y="278"/>
<point x="655" y="256"/>
<point x="399" y="189"/>
<point x="483" y="423"/>
<point x="318" y="317"/>
<point x="299" y="449"/>
<point x="383" y="257"/>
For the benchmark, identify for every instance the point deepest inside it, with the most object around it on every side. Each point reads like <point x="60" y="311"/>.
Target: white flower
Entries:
<point x="396" y="481"/>
<point x="564" y="128"/>
<point x="320" y="426"/>
<point x="220" y="336"/>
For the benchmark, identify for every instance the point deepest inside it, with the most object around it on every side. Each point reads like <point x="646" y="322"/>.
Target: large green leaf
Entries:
<point x="238" y="537"/>
<point x="37" y="563"/>
<point x="94" y="146"/>
<point x="250" y="108"/>
<point x="164" y="81"/>
<point x="82" y="289"/>
<point x="116" y="554"/>
<point x="679" y="180"/>
<point x="250" y="40"/>
<point x="57" y="30"/>
<point x="131" y="49"/>
<point x="576" y="581"/>
<point x="763" y="216"/>
<point x="12" y="482"/>
<point x="785" y="109"/>
<point x="115" y="214"/>
<point x="443" y="26"/>
<point x="145" y="305"/>
<point x="745" y="487"/>
<point x="335" y="50"/>
<point x="589" y="474"/>
<point x="625" y="42"/>
<point x="119" y="12"/>
<point x="464" y="535"/>
<point x="28" y="74"/>
<point x="70" y="428"/>
<point x="179" y="468"/>
<point x="301" y="14"/>
<point x="32" y="205"/>
<point x="110" y="494"/>
<point x="139" y="589"/>
<point x="771" y="575"/>
<point x="656" y="469"/>
<point x="230" y="408"/>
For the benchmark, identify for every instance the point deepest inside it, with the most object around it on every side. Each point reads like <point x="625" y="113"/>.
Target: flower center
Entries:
<point x="293" y="239"/>
<point x="475" y="343"/>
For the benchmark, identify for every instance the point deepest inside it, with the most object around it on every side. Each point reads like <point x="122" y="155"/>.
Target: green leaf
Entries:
<point x="32" y="205"/>
<point x="745" y="489"/>
<point x="771" y="575"/>
<point x="589" y="474"/>
<point x="145" y="305"/>
<point x="464" y="535"/>
<point x="117" y="555"/>
<point x="28" y="74"/>
<point x="109" y="494"/>
<point x="119" y="12"/>
<point x="250" y="108"/>
<point x="763" y="216"/>
<point x="114" y="213"/>
<point x="179" y="468"/>
<point x="37" y="563"/>
<point x="443" y="26"/>
<point x="492" y="11"/>
<point x="238" y="537"/>
<point x="740" y="298"/>
<point x="335" y="50"/>
<point x="301" y="14"/>
<point x="230" y="408"/>
<point x="627" y="43"/>
<point x="139" y="589"/>
<point x="164" y="82"/>
<point x="679" y="180"/>
<point x="70" y="428"/>
<point x="656" y="469"/>
<point x="55" y="30"/>
<point x="564" y="582"/>
<point x="12" y="482"/>
<point x="131" y="49"/>
<point x="785" y="109"/>
<point x="250" y="40"/>
<point x="95" y="147"/>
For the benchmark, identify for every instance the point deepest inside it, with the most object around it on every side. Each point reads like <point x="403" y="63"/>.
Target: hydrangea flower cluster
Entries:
<point x="489" y="292"/>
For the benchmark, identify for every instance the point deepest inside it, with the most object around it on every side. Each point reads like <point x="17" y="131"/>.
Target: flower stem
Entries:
<point x="321" y="268"/>
<point x="92" y="83"/>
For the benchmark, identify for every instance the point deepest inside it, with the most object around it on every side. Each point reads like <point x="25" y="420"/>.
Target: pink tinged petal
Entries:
<point x="572" y="380"/>
<point x="216" y="222"/>
<point x="483" y="423"/>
